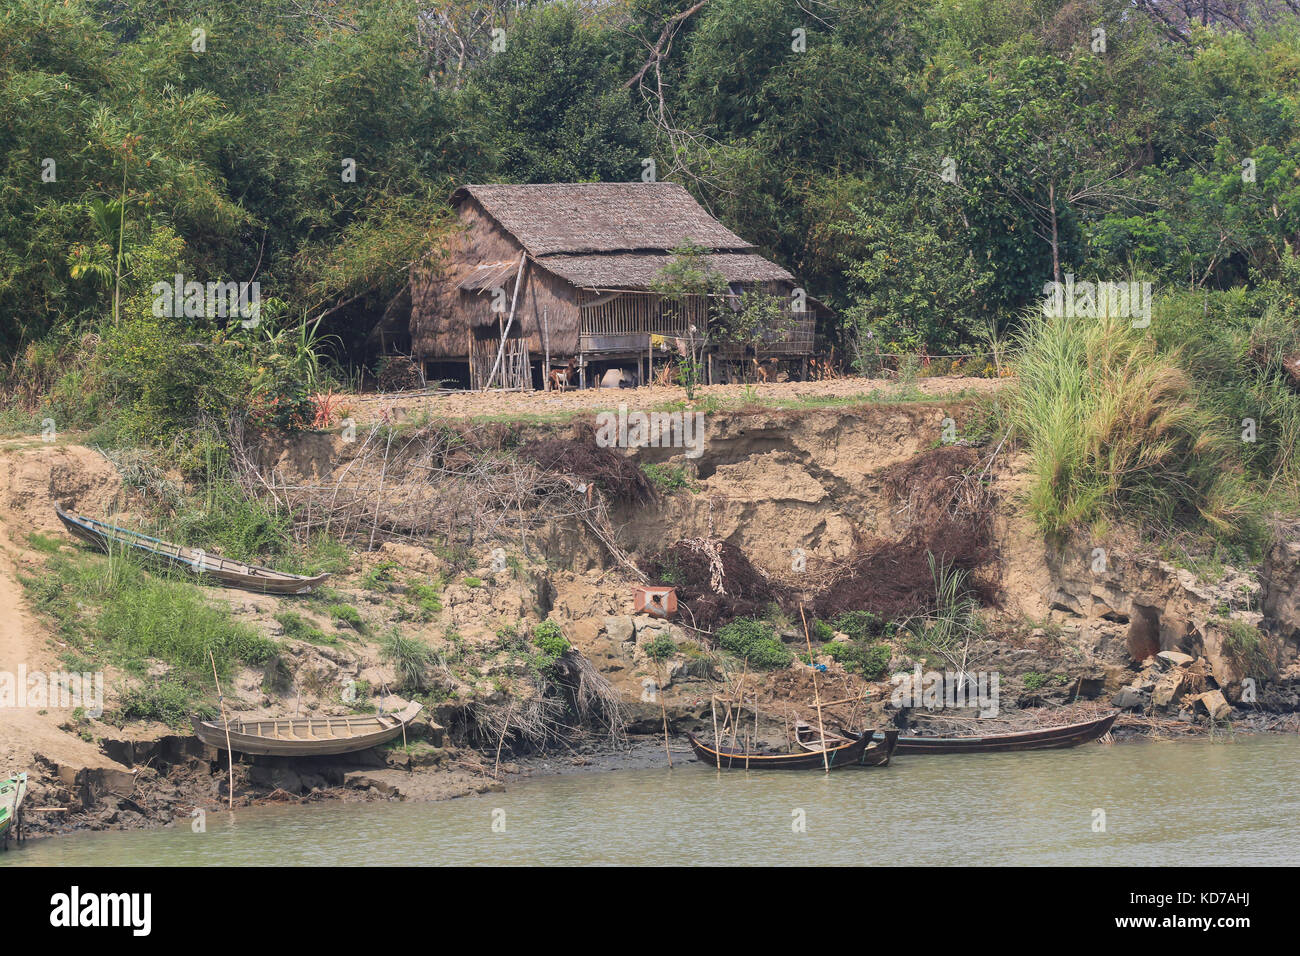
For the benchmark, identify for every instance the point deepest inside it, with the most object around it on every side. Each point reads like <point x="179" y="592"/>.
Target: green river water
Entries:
<point x="1230" y="802"/>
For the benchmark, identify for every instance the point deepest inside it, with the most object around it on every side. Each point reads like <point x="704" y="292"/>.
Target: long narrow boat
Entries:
<point x="231" y="574"/>
<point x="12" y="792"/>
<point x="842" y="753"/>
<point x="1052" y="738"/>
<point x="307" y="736"/>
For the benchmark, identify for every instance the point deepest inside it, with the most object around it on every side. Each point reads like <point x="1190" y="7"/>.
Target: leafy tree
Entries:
<point x="552" y="103"/>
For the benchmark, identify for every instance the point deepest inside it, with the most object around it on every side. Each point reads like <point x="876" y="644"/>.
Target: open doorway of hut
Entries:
<point x="447" y="374"/>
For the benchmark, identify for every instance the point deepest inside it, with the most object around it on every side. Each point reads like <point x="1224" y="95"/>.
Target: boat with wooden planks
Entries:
<point x="232" y="574"/>
<point x="12" y="792"/>
<point x="307" y="736"/>
<point x="884" y="743"/>
<point x="1050" y="738"/>
<point x="840" y="752"/>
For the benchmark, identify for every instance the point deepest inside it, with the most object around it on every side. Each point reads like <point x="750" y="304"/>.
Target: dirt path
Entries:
<point x="25" y="643"/>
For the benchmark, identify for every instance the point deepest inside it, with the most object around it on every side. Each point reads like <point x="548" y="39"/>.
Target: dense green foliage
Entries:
<point x="924" y="168"/>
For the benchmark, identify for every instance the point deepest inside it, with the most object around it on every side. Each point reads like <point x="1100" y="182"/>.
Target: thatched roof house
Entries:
<point x="569" y="268"/>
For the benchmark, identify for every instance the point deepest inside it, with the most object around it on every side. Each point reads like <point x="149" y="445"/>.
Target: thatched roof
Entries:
<point x="640" y="270"/>
<point x="575" y="218"/>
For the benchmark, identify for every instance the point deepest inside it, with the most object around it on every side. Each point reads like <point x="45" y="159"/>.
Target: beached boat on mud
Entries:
<point x="840" y="752"/>
<point x="306" y="736"/>
<point x="231" y="574"/>
<point x="12" y="792"/>
<point x="1051" y="738"/>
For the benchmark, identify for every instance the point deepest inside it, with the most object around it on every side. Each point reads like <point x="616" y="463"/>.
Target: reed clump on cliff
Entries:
<point x="1115" y="425"/>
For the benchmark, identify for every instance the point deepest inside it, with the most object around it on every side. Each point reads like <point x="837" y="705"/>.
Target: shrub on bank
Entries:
<point x="166" y="701"/>
<point x="549" y="639"/>
<point x="869" y="660"/>
<point x="863" y="625"/>
<point x="756" y="642"/>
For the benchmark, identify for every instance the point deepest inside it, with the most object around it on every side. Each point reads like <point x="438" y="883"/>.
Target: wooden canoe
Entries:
<point x="883" y="743"/>
<point x="1053" y="738"/>
<point x="307" y="736"/>
<point x="231" y="574"/>
<point x="12" y="792"/>
<point x="844" y="753"/>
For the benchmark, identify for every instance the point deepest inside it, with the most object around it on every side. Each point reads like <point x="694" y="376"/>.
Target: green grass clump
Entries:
<point x="112" y="609"/>
<point x="756" y="642"/>
<point x="661" y="648"/>
<point x="869" y="660"/>
<point x="380" y="576"/>
<point x="298" y="628"/>
<point x="427" y="598"/>
<point x="1243" y="645"/>
<point x="410" y="657"/>
<point x="551" y="645"/>
<point x="345" y="615"/>
<point x="321" y="555"/>
<point x="44" y="543"/>
<point x="1034" y="680"/>
<point x="229" y="523"/>
<point x="167" y="701"/>
<point x="472" y="582"/>
<point x="669" y="478"/>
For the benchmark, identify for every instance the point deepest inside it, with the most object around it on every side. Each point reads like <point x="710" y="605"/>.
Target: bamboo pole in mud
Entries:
<point x="663" y="711"/>
<point x="740" y="700"/>
<point x="379" y="498"/>
<point x="845" y="700"/>
<point x="817" y="697"/>
<point x="717" y="744"/>
<point x="502" y="740"/>
<point x="230" y="754"/>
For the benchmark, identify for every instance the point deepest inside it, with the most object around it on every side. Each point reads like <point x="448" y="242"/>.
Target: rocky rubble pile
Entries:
<point x="1176" y="685"/>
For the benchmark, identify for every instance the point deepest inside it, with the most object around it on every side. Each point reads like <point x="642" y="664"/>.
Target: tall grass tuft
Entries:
<point x="1115" y="424"/>
<point x="410" y="657"/>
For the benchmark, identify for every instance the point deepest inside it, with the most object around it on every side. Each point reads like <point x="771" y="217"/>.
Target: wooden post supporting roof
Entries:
<point x="505" y="333"/>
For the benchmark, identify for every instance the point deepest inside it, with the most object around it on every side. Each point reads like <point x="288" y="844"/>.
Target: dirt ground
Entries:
<point x="466" y="404"/>
<point x="26" y="488"/>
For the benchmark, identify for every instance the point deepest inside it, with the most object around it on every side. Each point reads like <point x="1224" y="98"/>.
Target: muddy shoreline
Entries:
<point x="188" y="792"/>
